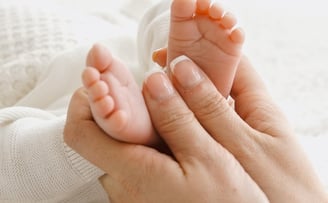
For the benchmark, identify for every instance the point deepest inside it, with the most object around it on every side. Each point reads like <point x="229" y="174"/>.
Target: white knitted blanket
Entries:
<point x="286" y="40"/>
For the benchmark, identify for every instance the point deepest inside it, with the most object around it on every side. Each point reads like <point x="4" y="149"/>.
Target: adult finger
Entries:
<point x="172" y="118"/>
<point x="192" y="145"/>
<point x="211" y="109"/>
<point x="253" y="102"/>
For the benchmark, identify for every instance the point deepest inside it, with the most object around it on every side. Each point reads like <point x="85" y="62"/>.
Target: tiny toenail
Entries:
<point x="186" y="72"/>
<point x="159" y="85"/>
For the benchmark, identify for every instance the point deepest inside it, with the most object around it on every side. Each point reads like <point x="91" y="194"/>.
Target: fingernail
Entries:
<point x="159" y="85"/>
<point x="185" y="71"/>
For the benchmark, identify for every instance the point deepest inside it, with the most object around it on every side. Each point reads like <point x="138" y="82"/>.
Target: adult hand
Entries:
<point x="257" y="134"/>
<point x="202" y="171"/>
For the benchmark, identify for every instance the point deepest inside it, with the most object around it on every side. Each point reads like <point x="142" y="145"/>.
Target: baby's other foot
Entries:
<point x="205" y="33"/>
<point x="115" y="99"/>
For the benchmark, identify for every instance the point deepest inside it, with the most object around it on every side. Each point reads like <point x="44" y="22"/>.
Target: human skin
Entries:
<point x="207" y="33"/>
<point x="136" y="173"/>
<point x="268" y="148"/>
<point x="218" y="151"/>
<point x="200" y="30"/>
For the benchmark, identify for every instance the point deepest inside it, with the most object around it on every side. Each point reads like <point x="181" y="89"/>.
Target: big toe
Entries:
<point x="99" y="57"/>
<point x="181" y="9"/>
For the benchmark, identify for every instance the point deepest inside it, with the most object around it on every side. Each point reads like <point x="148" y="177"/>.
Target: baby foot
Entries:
<point x="205" y="33"/>
<point x="115" y="99"/>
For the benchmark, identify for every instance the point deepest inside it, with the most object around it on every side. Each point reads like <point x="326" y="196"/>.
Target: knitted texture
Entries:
<point x="43" y="47"/>
<point x="36" y="166"/>
<point x="43" y="51"/>
<point x="30" y="36"/>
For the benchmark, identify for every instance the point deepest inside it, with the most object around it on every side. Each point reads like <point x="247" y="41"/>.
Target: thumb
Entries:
<point x="116" y="158"/>
<point x="253" y="102"/>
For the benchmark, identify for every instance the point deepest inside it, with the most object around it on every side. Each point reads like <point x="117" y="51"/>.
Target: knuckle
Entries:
<point x="249" y="146"/>
<point x="212" y="105"/>
<point x="209" y="156"/>
<point x="267" y="118"/>
<point x="174" y="119"/>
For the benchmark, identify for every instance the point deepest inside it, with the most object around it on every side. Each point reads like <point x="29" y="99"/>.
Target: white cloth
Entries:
<point x="50" y="44"/>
